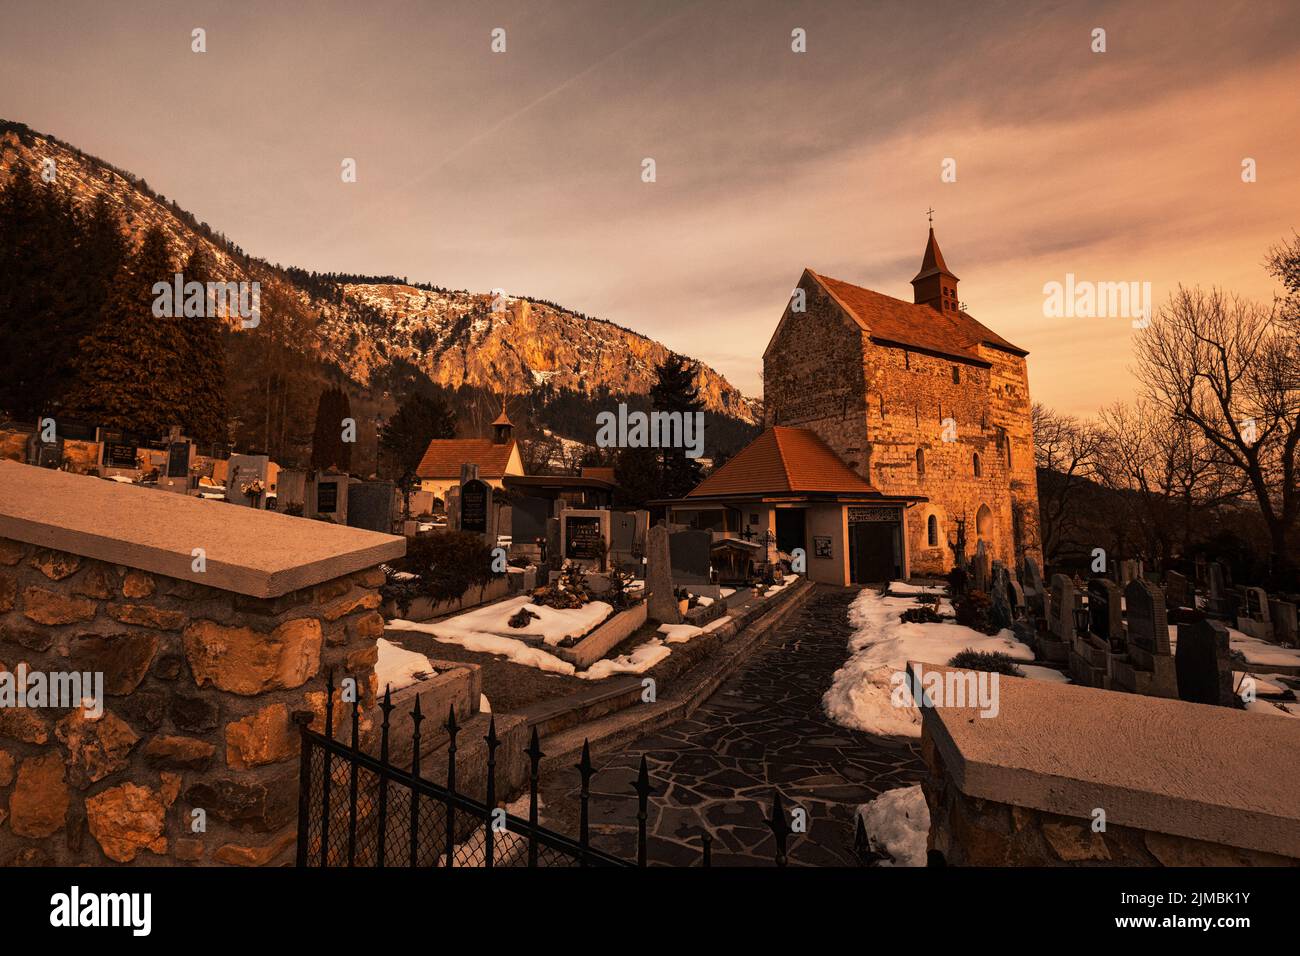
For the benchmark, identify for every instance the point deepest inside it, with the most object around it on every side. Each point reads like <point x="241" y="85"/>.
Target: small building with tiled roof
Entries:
<point x="789" y="490"/>
<point x="920" y="400"/>
<point x="496" y="457"/>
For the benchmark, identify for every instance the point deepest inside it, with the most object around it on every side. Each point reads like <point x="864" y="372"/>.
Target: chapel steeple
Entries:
<point x="502" y="428"/>
<point x="934" y="285"/>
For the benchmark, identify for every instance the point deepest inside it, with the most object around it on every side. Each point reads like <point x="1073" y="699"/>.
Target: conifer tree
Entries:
<point x="674" y="390"/>
<point x="328" y="449"/>
<point x="204" y="413"/>
<point x="130" y="369"/>
<point x="404" y="439"/>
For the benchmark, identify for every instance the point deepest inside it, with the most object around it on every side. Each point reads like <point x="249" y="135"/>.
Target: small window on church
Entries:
<point x="920" y="461"/>
<point x="932" y="532"/>
<point x="976" y="462"/>
<point x="956" y="375"/>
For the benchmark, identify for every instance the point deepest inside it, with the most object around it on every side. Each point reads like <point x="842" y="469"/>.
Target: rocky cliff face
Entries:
<point x="509" y="344"/>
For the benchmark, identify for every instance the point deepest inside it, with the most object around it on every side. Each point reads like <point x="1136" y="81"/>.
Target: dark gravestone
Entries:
<point x="582" y="538"/>
<point x="1176" y="591"/>
<point x="528" y="519"/>
<point x="475" y="496"/>
<point x="178" y="459"/>
<point x="1035" y="592"/>
<point x="1148" y="627"/>
<point x="327" y="497"/>
<point x="119" y="451"/>
<point x="622" y="531"/>
<point x="370" y="506"/>
<point x="663" y="606"/>
<point x="1105" y="615"/>
<point x="554" y="553"/>
<point x="689" y="553"/>
<point x="1202" y="663"/>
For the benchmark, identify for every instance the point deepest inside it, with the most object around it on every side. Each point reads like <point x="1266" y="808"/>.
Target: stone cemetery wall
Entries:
<point x="1063" y="775"/>
<point x="188" y="752"/>
<point x="201" y="685"/>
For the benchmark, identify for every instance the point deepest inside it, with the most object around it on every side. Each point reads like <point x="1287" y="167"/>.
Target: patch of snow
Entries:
<point x="397" y="667"/>
<point x="640" y="660"/>
<point x="1262" y="653"/>
<point x="679" y="633"/>
<point x="484" y="705"/>
<point x="1049" y="674"/>
<point x="1277" y="710"/>
<point x="861" y="691"/>
<point x="516" y="651"/>
<point x="897" y="824"/>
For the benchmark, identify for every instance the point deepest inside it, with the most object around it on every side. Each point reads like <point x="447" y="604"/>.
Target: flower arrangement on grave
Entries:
<point x="253" y="489"/>
<point x="569" y="591"/>
<point x="619" y="580"/>
<point x="926" y="613"/>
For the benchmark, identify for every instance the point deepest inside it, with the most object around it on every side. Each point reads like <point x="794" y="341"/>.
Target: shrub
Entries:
<point x="449" y="564"/>
<point x="521" y="617"/>
<point x="570" y="590"/>
<point x="619" y="579"/>
<point x="974" y="611"/>
<point x="995" y="662"/>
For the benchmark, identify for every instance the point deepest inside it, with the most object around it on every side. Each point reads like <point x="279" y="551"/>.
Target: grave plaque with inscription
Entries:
<point x="178" y="459"/>
<point x="582" y="538"/>
<point x="474" y="498"/>
<point x="327" y="497"/>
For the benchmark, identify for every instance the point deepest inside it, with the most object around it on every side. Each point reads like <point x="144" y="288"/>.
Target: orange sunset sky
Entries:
<point x="522" y="170"/>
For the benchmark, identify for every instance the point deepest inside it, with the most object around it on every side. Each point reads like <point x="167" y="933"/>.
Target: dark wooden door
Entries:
<point x="873" y="552"/>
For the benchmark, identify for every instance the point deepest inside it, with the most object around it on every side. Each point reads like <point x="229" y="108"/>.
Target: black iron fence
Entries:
<point x="358" y="810"/>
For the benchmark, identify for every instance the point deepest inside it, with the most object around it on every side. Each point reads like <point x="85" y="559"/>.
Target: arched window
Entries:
<point x="932" y="531"/>
<point x="979" y="472"/>
<point x="920" y="462"/>
<point x="984" y="521"/>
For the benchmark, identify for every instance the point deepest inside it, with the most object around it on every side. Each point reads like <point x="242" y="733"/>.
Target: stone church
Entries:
<point x="929" y="407"/>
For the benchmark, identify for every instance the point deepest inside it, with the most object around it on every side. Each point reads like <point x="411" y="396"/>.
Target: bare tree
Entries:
<point x="1067" y="448"/>
<point x="1166" y="473"/>
<point x="1227" y="366"/>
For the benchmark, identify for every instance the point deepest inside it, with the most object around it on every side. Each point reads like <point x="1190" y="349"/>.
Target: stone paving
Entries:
<point x="761" y="732"/>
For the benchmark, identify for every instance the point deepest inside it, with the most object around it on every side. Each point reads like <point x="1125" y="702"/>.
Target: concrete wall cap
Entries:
<point x="1192" y="770"/>
<point x="247" y="551"/>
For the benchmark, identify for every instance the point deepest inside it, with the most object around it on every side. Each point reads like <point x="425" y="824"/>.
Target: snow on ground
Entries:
<point x="1277" y="709"/>
<point x="897" y="823"/>
<point x="881" y="646"/>
<point x="552" y="625"/>
<point x="642" y="658"/>
<point x="1038" y="672"/>
<point x="484" y="705"/>
<point x="681" y="633"/>
<point x="902" y="587"/>
<point x="1262" y="653"/>
<point x="515" y="650"/>
<point x="397" y="667"/>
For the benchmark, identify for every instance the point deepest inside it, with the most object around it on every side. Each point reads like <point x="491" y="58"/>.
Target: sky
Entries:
<point x="523" y="169"/>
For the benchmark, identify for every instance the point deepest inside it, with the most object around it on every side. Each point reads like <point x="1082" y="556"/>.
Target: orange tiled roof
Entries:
<point x="604" y="474"/>
<point x="887" y="319"/>
<point x="783" y="460"/>
<point x="444" y="457"/>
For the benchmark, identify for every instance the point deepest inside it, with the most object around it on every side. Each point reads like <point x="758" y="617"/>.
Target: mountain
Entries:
<point x="368" y="329"/>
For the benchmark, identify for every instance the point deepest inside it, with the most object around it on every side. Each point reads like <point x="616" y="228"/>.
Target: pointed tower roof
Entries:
<point x="932" y="262"/>
<point x="502" y="419"/>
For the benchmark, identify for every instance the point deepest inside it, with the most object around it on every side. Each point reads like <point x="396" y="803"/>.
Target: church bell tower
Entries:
<point x="934" y="285"/>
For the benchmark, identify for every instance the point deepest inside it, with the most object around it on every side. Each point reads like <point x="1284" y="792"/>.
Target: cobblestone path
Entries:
<point x="762" y="731"/>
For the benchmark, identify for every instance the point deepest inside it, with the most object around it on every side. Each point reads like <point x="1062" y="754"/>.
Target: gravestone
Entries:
<point x="1203" y="665"/>
<point x="1255" y="621"/>
<point x="476" y="506"/>
<point x="528" y="517"/>
<point x="175" y="474"/>
<point x="585" y="536"/>
<point x="117" y="451"/>
<point x="328" y="497"/>
<point x="241" y="472"/>
<point x="1220" y="604"/>
<point x="1035" y="595"/>
<point x="1177" y="593"/>
<point x="1283" y="614"/>
<point x="291" y="490"/>
<point x="662" y="604"/>
<point x="554" y="557"/>
<point x="1063" y="605"/>
<point x="690" y="554"/>
<point x="1105" y="614"/>
<point x="1000" y="609"/>
<point x="371" y="506"/>
<point x="1017" y="599"/>
<point x="1146" y="667"/>
<point x="1091" y="650"/>
<point x="627" y="536"/>
<point x="981" y="567"/>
